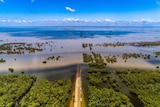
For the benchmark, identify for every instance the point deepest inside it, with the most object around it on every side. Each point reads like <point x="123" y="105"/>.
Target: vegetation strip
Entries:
<point x="48" y="94"/>
<point x="143" y="83"/>
<point x="103" y="90"/>
<point x="13" y="88"/>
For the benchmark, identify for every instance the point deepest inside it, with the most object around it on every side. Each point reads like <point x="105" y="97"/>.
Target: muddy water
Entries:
<point x="125" y="90"/>
<point x="55" y="73"/>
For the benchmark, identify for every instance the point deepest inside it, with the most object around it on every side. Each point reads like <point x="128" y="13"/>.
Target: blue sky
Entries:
<point x="24" y="11"/>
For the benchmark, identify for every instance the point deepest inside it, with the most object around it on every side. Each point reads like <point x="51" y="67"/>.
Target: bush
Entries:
<point x="11" y="70"/>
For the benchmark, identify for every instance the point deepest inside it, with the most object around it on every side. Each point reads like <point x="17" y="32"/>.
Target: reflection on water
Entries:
<point x="155" y="61"/>
<point x="55" y="73"/>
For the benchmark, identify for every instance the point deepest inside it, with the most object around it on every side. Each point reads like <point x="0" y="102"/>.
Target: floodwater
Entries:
<point x="67" y="43"/>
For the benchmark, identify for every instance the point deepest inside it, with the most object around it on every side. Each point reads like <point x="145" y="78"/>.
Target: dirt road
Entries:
<point x="78" y="88"/>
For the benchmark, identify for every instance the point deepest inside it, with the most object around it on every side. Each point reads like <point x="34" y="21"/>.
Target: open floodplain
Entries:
<point x="119" y="66"/>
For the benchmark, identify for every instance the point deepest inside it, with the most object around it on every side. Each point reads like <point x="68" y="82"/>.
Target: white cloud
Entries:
<point x="51" y="20"/>
<point x="70" y="9"/>
<point x="108" y="20"/>
<point x="136" y="21"/>
<point x="2" y="1"/>
<point x="5" y="20"/>
<point x="146" y="20"/>
<point x="86" y="21"/>
<point x="15" y="21"/>
<point x="71" y="20"/>
<point x="77" y="21"/>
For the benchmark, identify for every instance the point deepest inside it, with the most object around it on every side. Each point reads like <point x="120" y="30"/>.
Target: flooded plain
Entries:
<point x="66" y="43"/>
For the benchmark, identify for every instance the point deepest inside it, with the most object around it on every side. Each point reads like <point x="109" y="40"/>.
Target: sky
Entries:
<point x="78" y="11"/>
